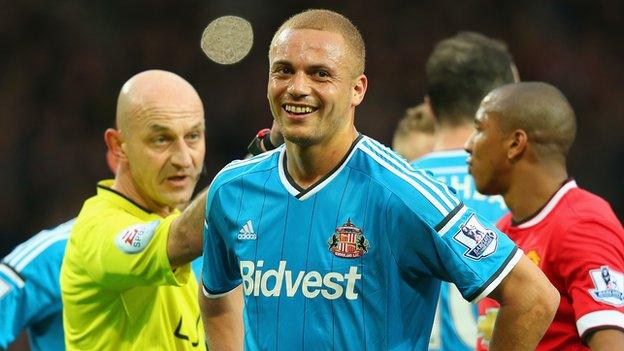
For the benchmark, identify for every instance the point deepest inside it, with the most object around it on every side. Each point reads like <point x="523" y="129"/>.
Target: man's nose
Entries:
<point x="181" y="156"/>
<point x="298" y="85"/>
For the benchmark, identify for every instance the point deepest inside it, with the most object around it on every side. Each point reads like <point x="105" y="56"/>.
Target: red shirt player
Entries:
<point x="523" y="133"/>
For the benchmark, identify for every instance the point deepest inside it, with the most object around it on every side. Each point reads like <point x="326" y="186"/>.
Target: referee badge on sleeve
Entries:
<point x="136" y="237"/>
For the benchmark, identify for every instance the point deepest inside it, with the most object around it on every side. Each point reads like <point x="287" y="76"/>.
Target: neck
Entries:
<point x="450" y="137"/>
<point x="531" y="189"/>
<point x="124" y="184"/>
<point x="308" y="164"/>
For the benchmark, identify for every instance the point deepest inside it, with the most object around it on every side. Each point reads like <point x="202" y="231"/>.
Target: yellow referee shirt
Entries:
<point x="119" y="290"/>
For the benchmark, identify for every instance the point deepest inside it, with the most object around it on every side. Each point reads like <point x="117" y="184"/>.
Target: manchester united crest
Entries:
<point x="348" y="241"/>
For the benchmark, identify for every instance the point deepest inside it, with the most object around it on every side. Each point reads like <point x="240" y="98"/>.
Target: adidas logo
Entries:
<point x="247" y="232"/>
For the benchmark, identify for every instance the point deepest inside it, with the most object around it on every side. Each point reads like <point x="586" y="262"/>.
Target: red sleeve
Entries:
<point x="488" y="310"/>
<point x="591" y="262"/>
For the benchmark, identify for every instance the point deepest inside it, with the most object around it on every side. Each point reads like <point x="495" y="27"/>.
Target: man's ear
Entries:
<point x="517" y="144"/>
<point x="112" y="138"/>
<point x="359" y="90"/>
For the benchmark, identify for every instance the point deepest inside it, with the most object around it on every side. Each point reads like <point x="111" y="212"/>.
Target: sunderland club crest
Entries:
<point x="479" y="241"/>
<point x="609" y="286"/>
<point x="348" y="241"/>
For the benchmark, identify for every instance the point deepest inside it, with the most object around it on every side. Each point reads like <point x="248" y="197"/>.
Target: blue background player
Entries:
<point x="461" y="70"/>
<point x="30" y="294"/>
<point x="456" y="322"/>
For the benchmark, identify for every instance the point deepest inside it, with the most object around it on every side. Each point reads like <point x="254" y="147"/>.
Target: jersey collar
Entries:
<point x="548" y="207"/>
<point x="105" y="190"/>
<point x="302" y="194"/>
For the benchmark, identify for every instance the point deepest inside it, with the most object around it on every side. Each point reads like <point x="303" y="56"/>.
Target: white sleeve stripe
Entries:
<point x="25" y="247"/>
<point x="510" y="265"/>
<point x="31" y="250"/>
<point x="417" y="186"/>
<point x="250" y="161"/>
<point x="215" y="296"/>
<point x="22" y="261"/>
<point x="452" y="221"/>
<point x="447" y="170"/>
<point x="449" y="201"/>
<point x="11" y="275"/>
<point x="599" y="319"/>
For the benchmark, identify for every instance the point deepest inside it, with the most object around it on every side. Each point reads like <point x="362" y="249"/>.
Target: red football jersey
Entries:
<point x="578" y="242"/>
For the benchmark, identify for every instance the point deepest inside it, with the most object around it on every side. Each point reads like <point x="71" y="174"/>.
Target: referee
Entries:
<point x="126" y="280"/>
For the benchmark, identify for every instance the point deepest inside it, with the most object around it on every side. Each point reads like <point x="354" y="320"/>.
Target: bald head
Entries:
<point x="540" y="109"/>
<point x="152" y="91"/>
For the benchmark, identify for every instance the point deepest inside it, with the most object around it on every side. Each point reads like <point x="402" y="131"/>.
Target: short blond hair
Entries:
<point x="329" y="21"/>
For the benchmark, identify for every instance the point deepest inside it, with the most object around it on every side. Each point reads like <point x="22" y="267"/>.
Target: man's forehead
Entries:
<point x="291" y="41"/>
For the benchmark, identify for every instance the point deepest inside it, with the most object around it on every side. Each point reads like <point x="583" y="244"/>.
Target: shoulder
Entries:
<point x="443" y="158"/>
<point x="45" y="248"/>
<point x="239" y="168"/>
<point x="583" y="206"/>
<point x="415" y="188"/>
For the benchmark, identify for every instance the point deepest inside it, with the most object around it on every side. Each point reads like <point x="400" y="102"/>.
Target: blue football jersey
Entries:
<point x="352" y="262"/>
<point x="30" y="292"/>
<point x="455" y="327"/>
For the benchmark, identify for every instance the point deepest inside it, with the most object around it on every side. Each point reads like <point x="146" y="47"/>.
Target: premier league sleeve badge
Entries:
<point x="479" y="241"/>
<point x="609" y="286"/>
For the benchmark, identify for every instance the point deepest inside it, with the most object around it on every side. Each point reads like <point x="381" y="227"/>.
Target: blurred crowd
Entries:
<point x="65" y="61"/>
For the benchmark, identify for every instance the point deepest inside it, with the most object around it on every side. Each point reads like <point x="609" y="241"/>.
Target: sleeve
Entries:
<point x="22" y="302"/>
<point x="591" y="264"/>
<point x="125" y="253"/>
<point x="30" y="295"/>
<point x="462" y="248"/>
<point x="13" y="306"/>
<point x="220" y="273"/>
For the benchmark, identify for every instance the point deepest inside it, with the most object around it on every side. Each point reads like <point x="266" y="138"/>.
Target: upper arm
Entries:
<point x="24" y="301"/>
<point x="591" y="263"/>
<point x="220" y="272"/>
<point x="184" y="241"/>
<point x="460" y="247"/>
<point x="125" y="253"/>
<point x="523" y="285"/>
<point x="606" y="339"/>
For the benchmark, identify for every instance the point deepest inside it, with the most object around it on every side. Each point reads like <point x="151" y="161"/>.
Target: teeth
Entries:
<point x="298" y="109"/>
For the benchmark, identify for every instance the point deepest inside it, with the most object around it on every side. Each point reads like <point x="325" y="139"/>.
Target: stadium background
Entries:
<point x="64" y="62"/>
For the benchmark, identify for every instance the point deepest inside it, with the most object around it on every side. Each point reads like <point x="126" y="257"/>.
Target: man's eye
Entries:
<point x="322" y="74"/>
<point x="160" y="139"/>
<point x="283" y="70"/>
<point x="194" y="136"/>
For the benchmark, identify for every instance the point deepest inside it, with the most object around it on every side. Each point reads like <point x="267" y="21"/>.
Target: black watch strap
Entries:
<point x="261" y="143"/>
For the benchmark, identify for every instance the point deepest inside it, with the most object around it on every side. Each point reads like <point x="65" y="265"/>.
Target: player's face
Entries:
<point x="166" y="152"/>
<point x="312" y="89"/>
<point x="488" y="161"/>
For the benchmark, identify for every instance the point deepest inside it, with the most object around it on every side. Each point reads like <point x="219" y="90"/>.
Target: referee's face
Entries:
<point x="165" y="152"/>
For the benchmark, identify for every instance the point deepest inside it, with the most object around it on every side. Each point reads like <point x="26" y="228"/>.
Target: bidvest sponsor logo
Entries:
<point x="272" y="283"/>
